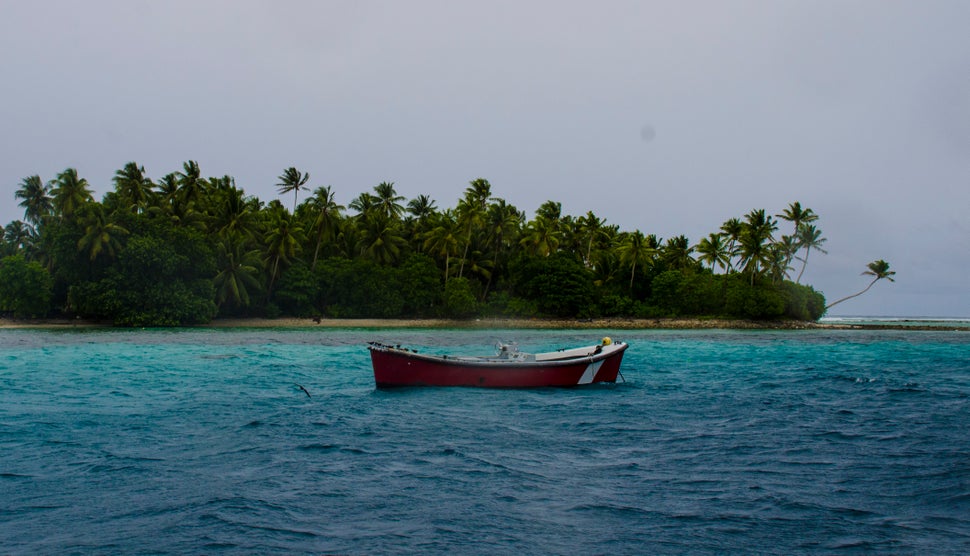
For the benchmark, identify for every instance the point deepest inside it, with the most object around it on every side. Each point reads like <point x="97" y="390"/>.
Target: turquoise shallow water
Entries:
<point x="199" y="441"/>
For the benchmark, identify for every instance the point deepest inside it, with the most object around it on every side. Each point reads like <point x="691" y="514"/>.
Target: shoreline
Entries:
<point x="501" y="323"/>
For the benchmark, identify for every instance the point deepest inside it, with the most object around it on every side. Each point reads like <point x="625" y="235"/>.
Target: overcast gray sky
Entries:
<point x="667" y="117"/>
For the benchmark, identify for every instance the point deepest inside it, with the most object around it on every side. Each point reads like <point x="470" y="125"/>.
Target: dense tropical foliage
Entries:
<point x="185" y="249"/>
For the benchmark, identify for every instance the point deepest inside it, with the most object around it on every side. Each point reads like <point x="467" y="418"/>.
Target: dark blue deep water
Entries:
<point x="200" y="441"/>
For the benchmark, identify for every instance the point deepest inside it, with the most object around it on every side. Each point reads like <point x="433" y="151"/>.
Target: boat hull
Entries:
<point x="398" y="368"/>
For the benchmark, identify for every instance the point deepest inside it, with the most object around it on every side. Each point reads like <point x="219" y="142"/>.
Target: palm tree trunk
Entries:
<point x="804" y="264"/>
<point x="316" y="251"/>
<point x="834" y="303"/>
<point x="272" y="278"/>
<point x="464" y="256"/>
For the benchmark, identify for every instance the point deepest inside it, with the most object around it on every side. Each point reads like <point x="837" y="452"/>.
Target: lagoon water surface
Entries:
<point x="201" y="441"/>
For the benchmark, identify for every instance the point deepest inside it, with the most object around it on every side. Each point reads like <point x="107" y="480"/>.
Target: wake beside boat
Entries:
<point x="396" y="366"/>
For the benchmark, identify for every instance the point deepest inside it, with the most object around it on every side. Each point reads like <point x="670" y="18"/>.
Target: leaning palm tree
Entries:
<point x="810" y="238"/>
<point x="36" y="200"/>
<point x="292" y="180"/>
<point x="797" y="216"/>
<point x="879" y="270"/>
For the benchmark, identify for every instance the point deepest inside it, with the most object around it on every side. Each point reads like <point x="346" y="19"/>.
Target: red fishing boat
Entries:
<point x="510" y="368"/>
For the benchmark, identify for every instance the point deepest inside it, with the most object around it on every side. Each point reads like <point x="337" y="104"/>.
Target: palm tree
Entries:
<point x="70" y="193"/>
<point x="442" y="239"/>
<point x="191" y="185"/>
<point x="421" y="207"/>
<point x="292" y="180"/>
<point x="238" y="269"/>
<point x="776" y="262"/>
<point x="133" y="186"/>
<point x="878" y="269"/>
<point x="502" y="225"/>
<point x="233" y="214"/>
<point x="541" y="236"/>
<point x="101" y="236"/>
<point x="388" y="201"/>
<point x="281" y="243"/>
<point x="222" y="185"/>
<point x="714" y="251"/>
<point x="479" y="192"/>
<point x="798" y="215"/>
<point x="787" y="246"/>
<point x="36" y="200"/>
<point x="636" y="249"/>
<point x="381" y="240"/>
<point x="471" y="213"/>
<point x="17" y="234"/>
<point x="810" y="238"/>
<point x="676" y="253"/>
<point x="363" y="204"/>
<point x="550" y="210"/>
<point x="732" y="229"/>
<point x="168" y="191"/>
<point x="592" y="229"/>
<point x="326" y="211"/>
<point x="756" y="234"/>
<point x="479" y="263"/>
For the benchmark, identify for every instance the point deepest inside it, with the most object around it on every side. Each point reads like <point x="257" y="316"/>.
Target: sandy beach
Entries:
<point x="522" y="323"/>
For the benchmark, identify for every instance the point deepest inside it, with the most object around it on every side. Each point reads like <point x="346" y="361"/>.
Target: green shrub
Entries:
<point x="25" y="287"/>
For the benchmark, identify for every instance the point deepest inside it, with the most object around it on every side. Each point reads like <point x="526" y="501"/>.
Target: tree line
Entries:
<point x="186" y="249"/>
